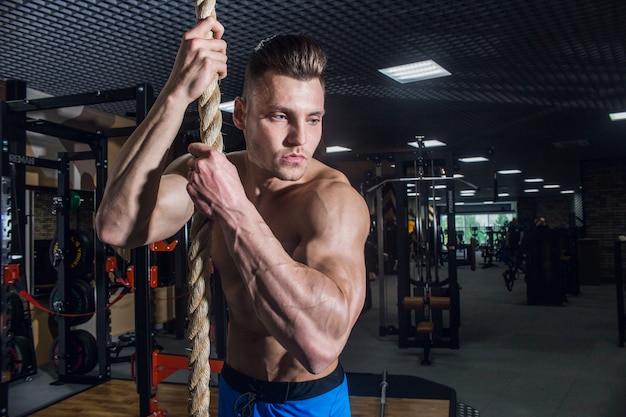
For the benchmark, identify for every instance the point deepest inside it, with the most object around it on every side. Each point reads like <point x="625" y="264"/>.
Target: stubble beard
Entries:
<point x="285" y="171"/>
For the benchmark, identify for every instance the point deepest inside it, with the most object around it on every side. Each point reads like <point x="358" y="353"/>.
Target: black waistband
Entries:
<point x="281" y="392"/>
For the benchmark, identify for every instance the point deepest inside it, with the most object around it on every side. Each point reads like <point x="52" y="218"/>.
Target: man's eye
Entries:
<point x="279" y="116"/>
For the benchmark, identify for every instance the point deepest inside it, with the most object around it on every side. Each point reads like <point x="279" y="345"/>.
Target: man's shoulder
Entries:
<point x="325" y="178"/>
<point x="331" y="188"/>
<point x="236" y="157"/>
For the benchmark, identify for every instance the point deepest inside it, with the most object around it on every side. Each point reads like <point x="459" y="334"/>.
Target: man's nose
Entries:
<point x="297" y="134"/>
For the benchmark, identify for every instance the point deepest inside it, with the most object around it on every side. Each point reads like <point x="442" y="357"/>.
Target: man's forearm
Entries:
<point x="305" y="310"/>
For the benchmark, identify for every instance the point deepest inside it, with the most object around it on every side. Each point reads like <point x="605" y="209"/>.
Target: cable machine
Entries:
<point x="425" y="295"/>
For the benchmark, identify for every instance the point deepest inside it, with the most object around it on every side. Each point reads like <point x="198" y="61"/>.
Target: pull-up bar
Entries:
<point x="421" y="179"/>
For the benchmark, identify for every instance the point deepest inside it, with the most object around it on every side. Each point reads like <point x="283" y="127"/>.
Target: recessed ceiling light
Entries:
<point x="533" y="180"/>
<point x="432" y="143"/>
<point x="334" y="149"/>
<point x="532" y="190"/>
<point x="227" y="106"/>
<point x="618" y="116"/>
<point x="474" y="159"/>
<point x="552" y="186"/>
<point x="509" y="171"/>
<point x="416" y="71"/>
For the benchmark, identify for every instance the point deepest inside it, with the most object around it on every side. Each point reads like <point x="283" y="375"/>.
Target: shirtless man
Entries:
<point x="289" y="231"/>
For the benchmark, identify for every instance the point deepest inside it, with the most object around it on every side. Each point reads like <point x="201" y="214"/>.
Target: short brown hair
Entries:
<point x="297" y="56"/>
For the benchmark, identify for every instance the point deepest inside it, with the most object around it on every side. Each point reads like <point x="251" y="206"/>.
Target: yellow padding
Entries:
<point x="425" y="327"/>
<point x="436" y="303"/>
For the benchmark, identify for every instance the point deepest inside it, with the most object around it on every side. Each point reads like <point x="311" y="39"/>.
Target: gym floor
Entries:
<point x="515" y="360"/>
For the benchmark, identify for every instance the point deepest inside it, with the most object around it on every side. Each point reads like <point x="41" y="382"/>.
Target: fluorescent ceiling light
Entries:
<point x="439" y="187"/>
<point x="416" y="71"/>
<point x="567" y="191"/>
<point x="532" y="190"/>
<point x="458" y="176"/>
<point x="533" y="180"/>
<point x="552" y="186"/>
<point x="459" y="203"/>
<point x="504" y="195"/>
<point x="509" y="171"/>
<point x="488" y="202"/>
<point x="618" y="116"/>
<point x="474" y="159"/>
<point x="334" y="149"/>
<point x="467" y="193"/>
<point x="227" y="106"/>
<point x="432" y="143"/>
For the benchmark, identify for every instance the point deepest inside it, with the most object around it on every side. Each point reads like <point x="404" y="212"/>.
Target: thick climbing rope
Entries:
<point x="199" y="254"/>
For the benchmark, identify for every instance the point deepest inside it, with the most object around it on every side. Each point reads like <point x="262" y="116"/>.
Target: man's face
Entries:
<point x="282" y="121"/>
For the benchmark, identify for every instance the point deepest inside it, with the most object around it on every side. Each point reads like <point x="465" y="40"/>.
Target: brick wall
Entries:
<point x="556" y="209"/>
<point x="45" y="223"/>
<point x="604" y="207"/>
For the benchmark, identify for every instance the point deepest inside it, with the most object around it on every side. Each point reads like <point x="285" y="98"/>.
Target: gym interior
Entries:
<point x="457" y="321"/>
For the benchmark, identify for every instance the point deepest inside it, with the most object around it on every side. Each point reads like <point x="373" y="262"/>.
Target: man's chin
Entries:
<point x="291" y="173"/>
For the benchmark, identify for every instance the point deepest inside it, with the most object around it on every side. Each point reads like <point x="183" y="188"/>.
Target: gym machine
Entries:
<point x="427" y="296"/>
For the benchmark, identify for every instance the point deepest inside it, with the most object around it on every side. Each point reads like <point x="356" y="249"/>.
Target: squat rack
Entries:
<point x="14" y="124"/>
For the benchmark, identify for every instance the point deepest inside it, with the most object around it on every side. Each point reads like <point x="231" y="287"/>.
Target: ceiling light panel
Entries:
<point x="335" y="149"/>
<point x="416" y="71"/>
<point x="470" y="159"/>
<point x="618" y="116"/>
<point x="432" y="143"/>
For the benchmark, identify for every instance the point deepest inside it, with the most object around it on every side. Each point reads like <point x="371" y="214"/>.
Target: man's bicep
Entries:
<point x="172" y="210"/>
<point x="335" y="243"/>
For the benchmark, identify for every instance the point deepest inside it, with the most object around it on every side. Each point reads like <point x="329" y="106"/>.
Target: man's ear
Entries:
<point x="239" y="113"/>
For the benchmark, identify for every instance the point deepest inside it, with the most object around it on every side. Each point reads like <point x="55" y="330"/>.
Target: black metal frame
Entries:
<point x="14" y="126"/>
<point x="12" y="181"/>
<point x="619" y="292"/>
<point x="406" y="334"/>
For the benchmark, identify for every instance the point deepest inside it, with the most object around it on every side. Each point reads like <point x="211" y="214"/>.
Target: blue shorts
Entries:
<point x="243" y="396"/>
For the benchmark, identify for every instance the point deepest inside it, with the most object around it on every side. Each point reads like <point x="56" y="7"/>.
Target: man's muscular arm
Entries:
<point x="140" y="203"/>
<point x="310" y="302"/>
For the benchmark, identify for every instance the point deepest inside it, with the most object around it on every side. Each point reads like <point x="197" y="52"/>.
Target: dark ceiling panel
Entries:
<point x="525" y="74"/>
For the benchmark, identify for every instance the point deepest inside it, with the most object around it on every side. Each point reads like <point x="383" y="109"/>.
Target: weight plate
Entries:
<point x="15" y="311"/>
<point x="90" y="347"/>
<point x="79" y="252"/>
<point x="19" y="359"/>
<point x="81" y="301"/>
<point x="81" y="352"/>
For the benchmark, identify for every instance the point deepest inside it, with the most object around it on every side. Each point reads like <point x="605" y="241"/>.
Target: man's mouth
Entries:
<point x="294" y="158"/>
